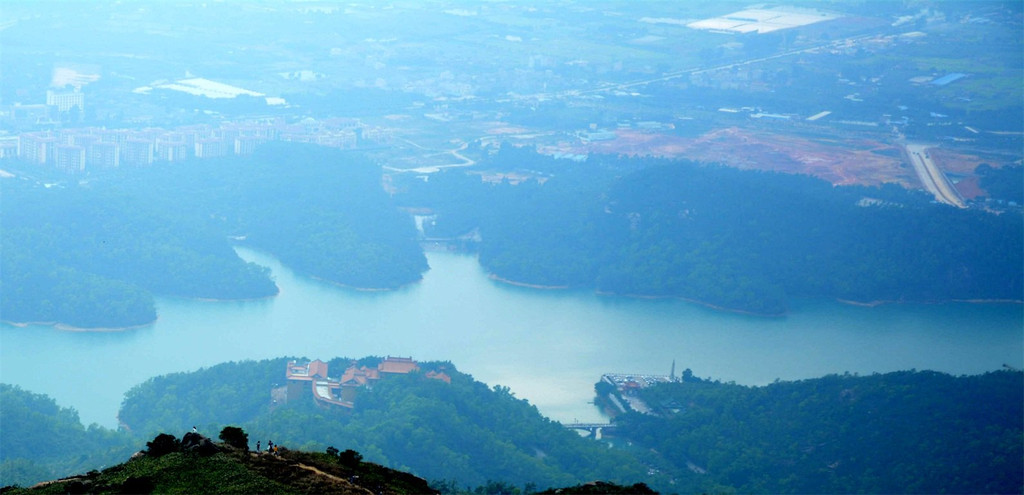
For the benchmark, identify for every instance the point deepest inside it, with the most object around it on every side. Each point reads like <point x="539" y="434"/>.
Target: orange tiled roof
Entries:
<point x="397" y="365"/>
<point x="359" y="375"/>
<point x="318" y="368"/>
<point x="306" y="371"/>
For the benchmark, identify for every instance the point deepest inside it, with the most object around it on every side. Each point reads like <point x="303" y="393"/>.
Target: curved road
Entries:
<point x="465" y="160"/>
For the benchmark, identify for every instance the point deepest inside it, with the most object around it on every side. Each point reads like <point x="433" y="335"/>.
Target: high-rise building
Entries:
<point x="70" y="158"/>
<point x="36" y="147"/>
<point x="246" y="145"/>
<point x="104" y="155"/>
<point x="83" y="139"/>
<point x="137" y="152"/>
<point x="171" y="150"/>
<point x="211" y="148"/>
<point x="8" y="147"/>
<point x="66" y="100"/>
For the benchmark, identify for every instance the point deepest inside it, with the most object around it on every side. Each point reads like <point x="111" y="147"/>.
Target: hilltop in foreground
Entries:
<point x="195" y="464"/>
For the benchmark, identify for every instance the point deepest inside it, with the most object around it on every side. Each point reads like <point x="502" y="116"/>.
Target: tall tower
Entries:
<point x="672" y="375"/>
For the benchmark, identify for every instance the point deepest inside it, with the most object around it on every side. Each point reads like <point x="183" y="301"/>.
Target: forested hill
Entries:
<point x="462" y="433"/>
<point x="902" y="432"/>
<point x="95" y="256"/>
<point x="737" y="239"/>
<point x="41" y="440"/>
<point x="198" y="464"/>
<point x="94" y="253"/>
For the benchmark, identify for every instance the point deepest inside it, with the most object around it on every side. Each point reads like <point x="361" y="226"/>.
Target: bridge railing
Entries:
<point x="588" y="426"/>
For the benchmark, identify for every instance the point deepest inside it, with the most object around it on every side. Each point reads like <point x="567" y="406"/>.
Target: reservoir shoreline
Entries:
<point x="548" y="346"/>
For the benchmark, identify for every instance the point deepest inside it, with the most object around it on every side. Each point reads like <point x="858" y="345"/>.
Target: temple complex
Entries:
<point x="311" y="377"/>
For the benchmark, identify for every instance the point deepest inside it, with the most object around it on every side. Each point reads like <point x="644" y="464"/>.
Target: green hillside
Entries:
<point x="195" y="464"/>
<point x="463" y="432"/>
<point x="901" y="432"/>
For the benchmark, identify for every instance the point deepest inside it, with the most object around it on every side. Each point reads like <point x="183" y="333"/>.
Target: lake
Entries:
<point x="549" y="347"/>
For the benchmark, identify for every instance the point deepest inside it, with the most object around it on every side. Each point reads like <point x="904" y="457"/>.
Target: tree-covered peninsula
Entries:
<point x="95" y="257"/>
<point x="94" y="253"/>
<point x="321" y="211"/>
<point x="737" y="239"/>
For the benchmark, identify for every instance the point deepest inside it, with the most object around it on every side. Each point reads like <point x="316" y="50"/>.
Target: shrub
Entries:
<point x="350" y="458"/>
<point x="162" y="445"/>
<point x="235" y="437"/>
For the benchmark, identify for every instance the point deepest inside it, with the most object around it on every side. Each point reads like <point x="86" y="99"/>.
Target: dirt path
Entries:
<point x="352" y="488"/>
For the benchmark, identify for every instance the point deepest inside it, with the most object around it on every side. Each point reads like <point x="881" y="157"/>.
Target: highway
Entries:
<point x="932" y="178"/>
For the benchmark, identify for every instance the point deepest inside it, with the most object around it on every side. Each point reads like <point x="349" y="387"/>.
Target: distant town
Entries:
<point x="78" y="150"/>
<point x="829" y="89"/>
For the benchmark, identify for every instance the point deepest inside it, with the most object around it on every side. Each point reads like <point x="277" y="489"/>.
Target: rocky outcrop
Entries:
<point x="197" y="444"/>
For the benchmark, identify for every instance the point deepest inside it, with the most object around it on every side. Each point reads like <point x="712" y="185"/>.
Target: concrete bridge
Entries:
<point x="595" y="430"/>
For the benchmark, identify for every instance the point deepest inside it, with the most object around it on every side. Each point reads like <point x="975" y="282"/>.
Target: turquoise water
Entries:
<point x="548" y="346"/>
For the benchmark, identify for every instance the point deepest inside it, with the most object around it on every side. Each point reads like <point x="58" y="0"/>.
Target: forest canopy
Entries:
<point x="737" y="239"/>
<point x="463" y="431"/>
<point x="901" y="432"/>
<point x="95" y="253"/>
